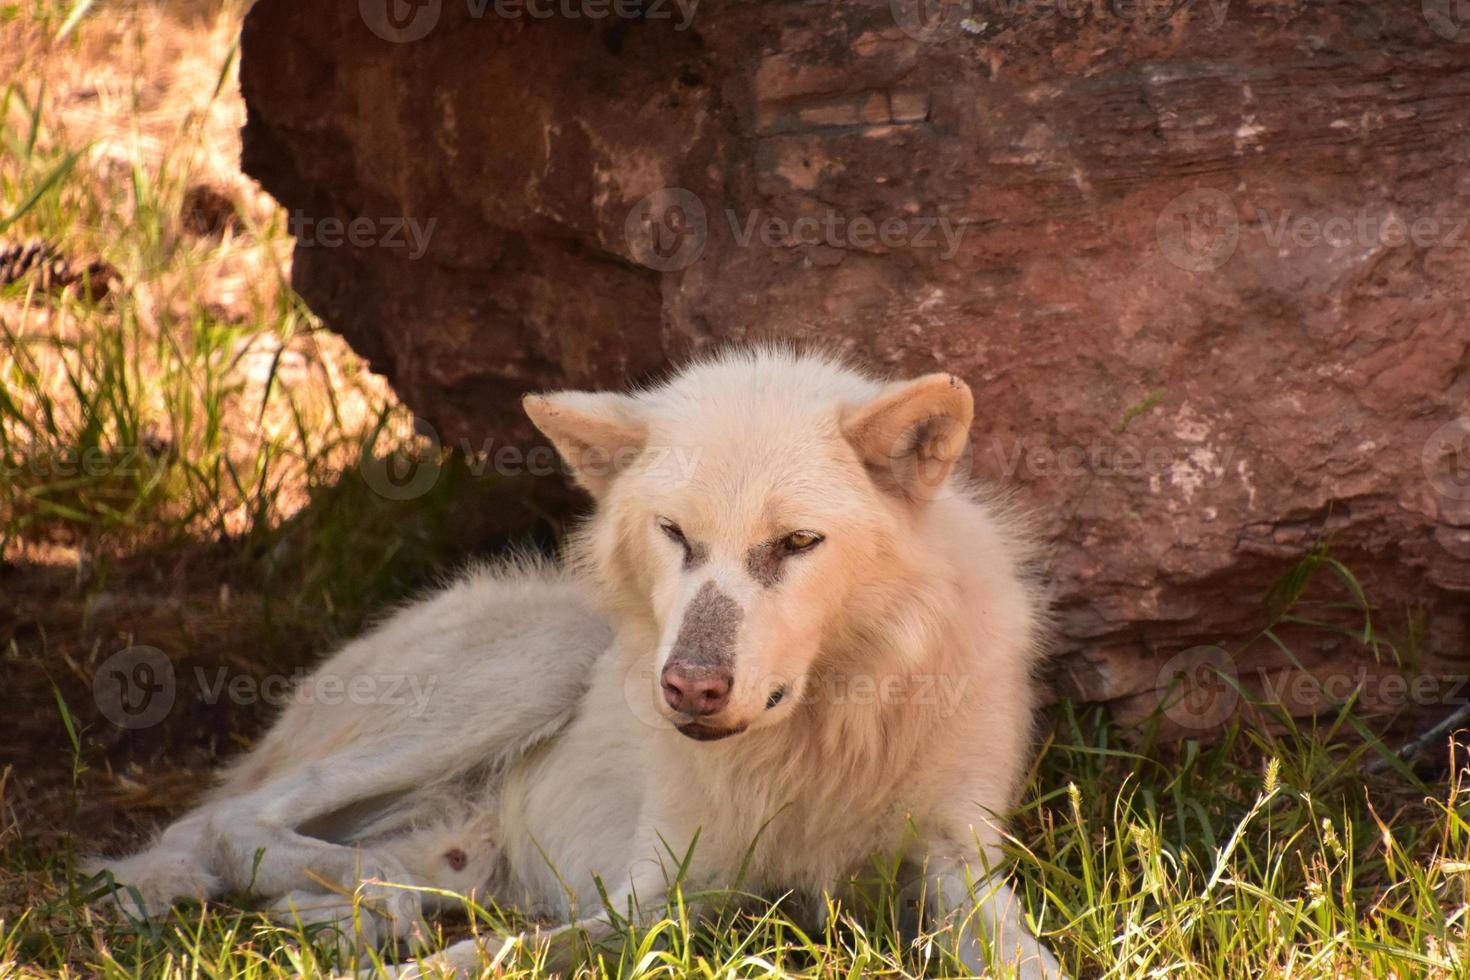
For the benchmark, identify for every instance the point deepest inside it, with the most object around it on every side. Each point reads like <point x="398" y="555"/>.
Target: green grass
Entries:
<point x="1277" y="848"/>
<point x="1259" y="855"/>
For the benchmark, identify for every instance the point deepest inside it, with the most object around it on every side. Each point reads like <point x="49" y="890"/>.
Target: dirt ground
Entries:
<point x="75" y="781"/>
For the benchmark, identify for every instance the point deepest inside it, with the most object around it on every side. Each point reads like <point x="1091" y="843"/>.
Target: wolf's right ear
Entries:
<point x="597" y="433"/>
<point x="911" y="436"/>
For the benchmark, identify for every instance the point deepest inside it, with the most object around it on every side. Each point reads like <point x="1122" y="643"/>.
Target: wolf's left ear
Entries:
<point x="597" y="433"/>
<point x="911" y="435"/>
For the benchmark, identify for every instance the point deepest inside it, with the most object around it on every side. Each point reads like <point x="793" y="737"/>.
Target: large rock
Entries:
<point x="1205" y="262"/>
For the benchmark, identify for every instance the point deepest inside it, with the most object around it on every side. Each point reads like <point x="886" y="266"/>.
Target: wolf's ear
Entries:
<point x="912" y="434"/>
<point x="597" y="433"/>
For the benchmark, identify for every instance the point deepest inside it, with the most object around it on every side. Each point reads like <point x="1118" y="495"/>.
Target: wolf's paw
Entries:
<point x="386" y="891"/>
<point x="349" y="927"/>
<point x="462" y="960"/>
<point x="148" y="884"/>
<point x="1042" y="965"/>
<point x="1032" y="961"/>
<point x="379" y="914"/>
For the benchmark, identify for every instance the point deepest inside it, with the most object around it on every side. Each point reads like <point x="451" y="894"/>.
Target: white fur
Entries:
<point x="905" y="643"/>
<point x="351" y="796"/>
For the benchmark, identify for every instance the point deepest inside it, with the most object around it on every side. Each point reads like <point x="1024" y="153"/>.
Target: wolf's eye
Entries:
<point x="673" y="530"/>
<point x="798" y="541"/>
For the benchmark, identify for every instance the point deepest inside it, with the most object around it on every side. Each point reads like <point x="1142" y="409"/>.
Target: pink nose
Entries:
<point x="696" y="691"/>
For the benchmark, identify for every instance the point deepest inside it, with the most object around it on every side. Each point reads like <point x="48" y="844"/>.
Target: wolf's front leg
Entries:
<point x="986" y="915"/>
<point x="176" y="868"/>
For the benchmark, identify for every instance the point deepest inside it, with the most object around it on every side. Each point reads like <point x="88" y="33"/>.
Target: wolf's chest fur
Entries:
<point x="780" y="816"/>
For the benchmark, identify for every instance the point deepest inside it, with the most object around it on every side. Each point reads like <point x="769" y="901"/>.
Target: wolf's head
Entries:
<point x="752" y="519"/>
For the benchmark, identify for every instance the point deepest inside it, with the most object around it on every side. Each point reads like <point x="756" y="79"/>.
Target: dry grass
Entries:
<point x="200" y="367"/>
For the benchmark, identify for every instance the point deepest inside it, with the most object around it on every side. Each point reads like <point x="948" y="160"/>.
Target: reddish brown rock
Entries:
<point x="1206" y="264"/>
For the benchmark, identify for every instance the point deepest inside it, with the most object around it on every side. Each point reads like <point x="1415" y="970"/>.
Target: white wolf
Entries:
<point x="789" y="639"/>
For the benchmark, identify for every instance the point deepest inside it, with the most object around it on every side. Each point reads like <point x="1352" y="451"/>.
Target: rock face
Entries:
<point x="1206" y="263"/>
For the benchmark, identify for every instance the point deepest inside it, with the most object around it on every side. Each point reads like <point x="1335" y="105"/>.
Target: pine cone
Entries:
<point x="209" y="212"/>
<point x="52" y="272"/>
<point x="19" y="258"/>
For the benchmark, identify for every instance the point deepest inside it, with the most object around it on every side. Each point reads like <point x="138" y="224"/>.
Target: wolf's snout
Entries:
<point x="696" y="691"/>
